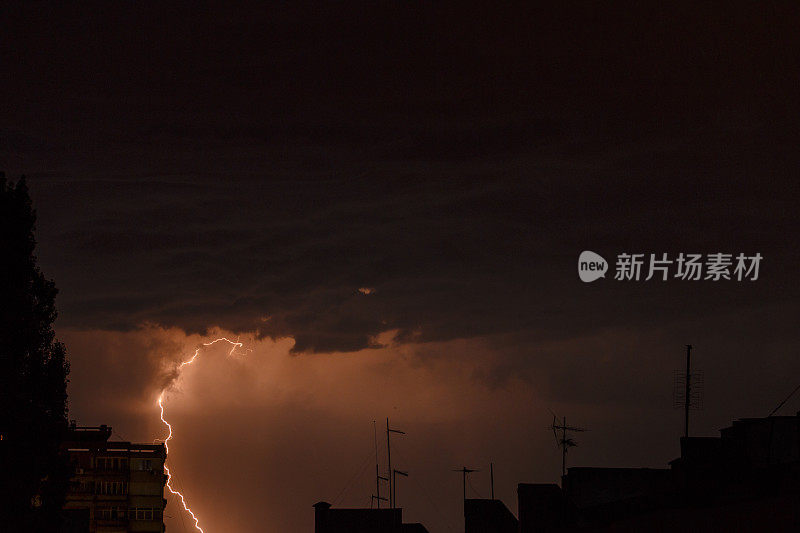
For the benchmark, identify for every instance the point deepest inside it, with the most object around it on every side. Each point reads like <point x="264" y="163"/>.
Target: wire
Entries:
<point x="429" y="500"/>
<point x="784" y="401"/>
<point x="353" y="478"/>
<point x="474" y="489"/>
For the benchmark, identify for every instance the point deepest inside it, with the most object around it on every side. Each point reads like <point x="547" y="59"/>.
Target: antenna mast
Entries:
<point x="389" y="431"/>
<point x="564" y="442"/>
<point x="491" y="478"/>
<point x="464" y="471"/>
<point x="688" y="399"/>
<point x="378" y="476"/>
<point x="688" y="390"/>
<point x="394" y="481"/>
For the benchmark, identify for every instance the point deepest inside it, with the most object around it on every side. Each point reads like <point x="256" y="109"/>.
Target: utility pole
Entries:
<point x="688" y="394"/>
<point x="389" y="431"/>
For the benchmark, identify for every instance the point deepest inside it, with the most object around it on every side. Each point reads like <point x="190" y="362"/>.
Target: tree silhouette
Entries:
<point x="33" y="376"/>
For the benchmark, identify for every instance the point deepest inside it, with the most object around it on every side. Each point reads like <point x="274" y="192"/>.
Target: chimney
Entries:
<point x="320" y="516"/>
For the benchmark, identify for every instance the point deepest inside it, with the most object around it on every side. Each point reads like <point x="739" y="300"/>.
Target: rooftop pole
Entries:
<point x="491" y="477"/>
<point x="688" y="393"/>
<point x="389" y="456"/>
<point x="394" y="481"/>
<point x="564" y="443"/>
<point x="377" y="470"/>
<point x="564" y="448"/>
<point x="389" y="431"/>
<point x="464" y="471"/>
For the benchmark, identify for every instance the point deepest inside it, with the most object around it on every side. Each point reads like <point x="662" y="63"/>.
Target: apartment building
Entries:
<point x="116" y="486"/>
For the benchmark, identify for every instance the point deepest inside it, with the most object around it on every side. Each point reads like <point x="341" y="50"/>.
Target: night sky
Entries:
<point x="385" y="202"/>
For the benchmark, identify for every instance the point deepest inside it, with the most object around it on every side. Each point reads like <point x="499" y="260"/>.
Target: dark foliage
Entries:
<point x="33" y="376"/>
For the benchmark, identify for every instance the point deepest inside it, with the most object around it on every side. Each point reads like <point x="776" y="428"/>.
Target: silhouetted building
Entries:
<point x="329" y="520"/>
<point x="488" y="516"/>
<point x="539" y="507"/>
<point x="115" y="486"/>
<point x="747" y="479"/>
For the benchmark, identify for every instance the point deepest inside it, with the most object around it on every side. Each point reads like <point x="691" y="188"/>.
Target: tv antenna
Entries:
<point x="491" y="478"/>
<point x="464" y="471"/>
<point x="378" y="477"/>
<point x="564" y="442"/>
<point x="687" y="390"/>
<point x="394" y="481"/>
<point x="389" y="431"/>
<point x="379" y="499"/>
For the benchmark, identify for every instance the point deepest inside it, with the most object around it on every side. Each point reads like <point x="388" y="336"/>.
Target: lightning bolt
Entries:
<point x="186" y="508"/>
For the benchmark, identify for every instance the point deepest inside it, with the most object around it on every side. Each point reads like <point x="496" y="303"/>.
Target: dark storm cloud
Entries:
<point x="448" y="257"/>
<point x="215" y="167"/>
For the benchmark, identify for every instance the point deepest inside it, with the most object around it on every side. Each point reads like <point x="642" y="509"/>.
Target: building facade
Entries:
<point x="116" y="486"/>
